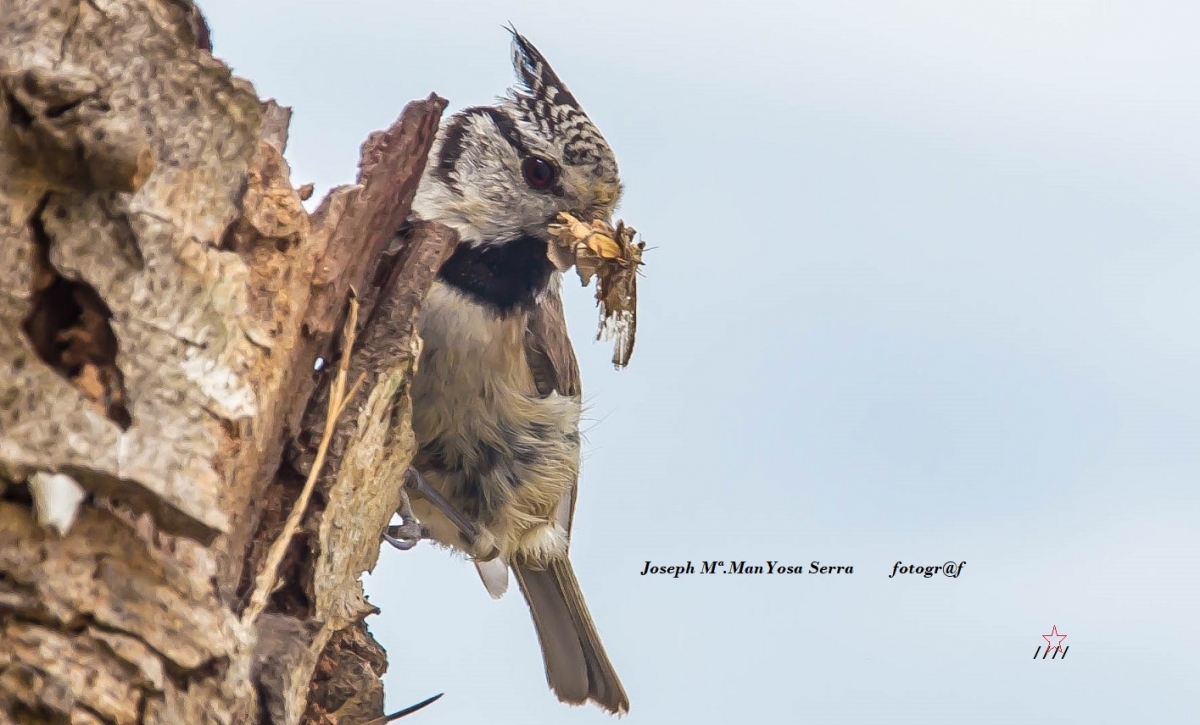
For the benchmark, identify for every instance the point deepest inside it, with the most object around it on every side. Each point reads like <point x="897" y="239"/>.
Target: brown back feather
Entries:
<point x="548" y="348"/>
<point x="552" y="360"/>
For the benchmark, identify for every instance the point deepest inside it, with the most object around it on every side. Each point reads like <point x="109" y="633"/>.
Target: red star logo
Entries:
<point x="1054" y="640"/>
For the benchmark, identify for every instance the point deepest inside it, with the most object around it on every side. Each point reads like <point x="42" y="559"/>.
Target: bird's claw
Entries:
<point x="405" y="536"/>
<point x="409" y="531"/>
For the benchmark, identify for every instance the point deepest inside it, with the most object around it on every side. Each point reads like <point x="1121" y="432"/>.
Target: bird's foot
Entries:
<point x="478" y="542"/>
<point x="409" y="531"/>
<point x="414" y="481"/>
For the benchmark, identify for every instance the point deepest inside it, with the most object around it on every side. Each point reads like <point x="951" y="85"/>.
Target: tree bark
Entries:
<point x="164" y="296"/>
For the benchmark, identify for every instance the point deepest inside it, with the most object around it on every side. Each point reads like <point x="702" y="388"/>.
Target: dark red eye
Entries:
<point x="538" y="172"/>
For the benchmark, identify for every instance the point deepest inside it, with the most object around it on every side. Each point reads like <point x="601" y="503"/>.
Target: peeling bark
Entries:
<point x="163" y="297"/>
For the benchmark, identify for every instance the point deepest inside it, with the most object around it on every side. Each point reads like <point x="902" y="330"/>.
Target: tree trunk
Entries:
<point x="163" y="299"/>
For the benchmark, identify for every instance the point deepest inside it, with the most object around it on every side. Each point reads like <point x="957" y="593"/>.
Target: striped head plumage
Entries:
<point x="546" y="103"/>
<point x="502" y="172"/>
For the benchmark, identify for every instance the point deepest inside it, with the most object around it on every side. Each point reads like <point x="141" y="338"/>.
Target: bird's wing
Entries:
<point x="548" y="348"/>
<point x="555" y="370"/>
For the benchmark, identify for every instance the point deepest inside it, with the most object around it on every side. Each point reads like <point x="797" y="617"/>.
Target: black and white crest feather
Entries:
<point x="546" y="103"/>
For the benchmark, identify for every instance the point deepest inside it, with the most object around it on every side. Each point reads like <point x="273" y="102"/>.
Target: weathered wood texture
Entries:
<point x="163" y="296"/>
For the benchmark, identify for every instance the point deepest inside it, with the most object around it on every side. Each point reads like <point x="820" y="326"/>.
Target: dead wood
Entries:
<point x="163" y="298"/>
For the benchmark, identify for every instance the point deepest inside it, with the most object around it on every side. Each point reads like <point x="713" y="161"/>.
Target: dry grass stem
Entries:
<point x="264" y="584"/>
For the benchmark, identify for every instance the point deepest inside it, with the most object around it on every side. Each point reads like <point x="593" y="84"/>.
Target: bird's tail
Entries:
<point x="577" y="667"/>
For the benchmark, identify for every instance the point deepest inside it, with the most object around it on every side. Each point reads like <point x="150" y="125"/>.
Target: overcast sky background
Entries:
<point x="924" y="288"/>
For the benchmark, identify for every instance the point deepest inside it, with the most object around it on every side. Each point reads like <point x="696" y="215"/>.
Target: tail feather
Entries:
<point x="577" y="667"/>
<point x="494" y="574"/>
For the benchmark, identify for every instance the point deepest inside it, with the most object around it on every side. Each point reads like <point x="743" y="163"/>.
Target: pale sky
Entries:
<point x="923" y="289"/>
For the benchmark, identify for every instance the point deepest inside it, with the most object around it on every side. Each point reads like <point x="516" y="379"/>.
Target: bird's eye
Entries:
<point x="538" y="172"/>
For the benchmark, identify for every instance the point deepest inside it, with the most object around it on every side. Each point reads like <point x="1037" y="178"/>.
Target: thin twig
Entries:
<point x="350" y="395"/>
<point x="405" y="711"/>
<point x="264" y="584"/>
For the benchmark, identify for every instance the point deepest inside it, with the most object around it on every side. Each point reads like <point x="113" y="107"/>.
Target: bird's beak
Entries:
<point x="600" y="211"/>
<point x="603" y="200"/>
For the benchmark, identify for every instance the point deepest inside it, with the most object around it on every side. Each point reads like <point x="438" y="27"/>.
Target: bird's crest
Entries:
<point x="546" y="103"/>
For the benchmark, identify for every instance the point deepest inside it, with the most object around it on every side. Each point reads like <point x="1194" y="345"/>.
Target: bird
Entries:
<point x="496" y="394"/>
